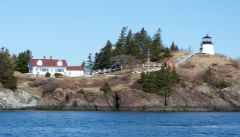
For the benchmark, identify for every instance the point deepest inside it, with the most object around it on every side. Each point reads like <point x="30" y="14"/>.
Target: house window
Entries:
<point x="59" y="70"/>
<point x="44" y="69"/>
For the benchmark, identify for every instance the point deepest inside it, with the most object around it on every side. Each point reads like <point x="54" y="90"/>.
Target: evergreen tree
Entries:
<point x="157" y="47"/>
<point x="22" y="61"/>
<point x="7" y="77"/>
<point x="167" y="53"/>
<point x="120" y="45"/>
<point x="173" y="47"/>
<point x="83" y="64"/>
<point x="160" y="82"/>
<point x="102" y="59"/>
<point x="89" y="65"/>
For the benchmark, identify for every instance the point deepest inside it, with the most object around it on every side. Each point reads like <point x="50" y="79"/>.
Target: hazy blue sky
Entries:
<point x="70" y="29"/>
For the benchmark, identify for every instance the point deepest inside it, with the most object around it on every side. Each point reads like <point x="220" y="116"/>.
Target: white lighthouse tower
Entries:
<point x="207" y="46"/>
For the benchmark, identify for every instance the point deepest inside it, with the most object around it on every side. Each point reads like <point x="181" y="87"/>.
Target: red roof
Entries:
<point x="48" y="62"/>
<point x="74" y="68"/>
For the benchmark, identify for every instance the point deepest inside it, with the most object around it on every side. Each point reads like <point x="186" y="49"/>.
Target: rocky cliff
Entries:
<point x="198" y="98"/>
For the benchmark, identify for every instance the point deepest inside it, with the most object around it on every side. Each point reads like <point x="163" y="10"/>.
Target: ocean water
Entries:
<point x="118" y="124"/>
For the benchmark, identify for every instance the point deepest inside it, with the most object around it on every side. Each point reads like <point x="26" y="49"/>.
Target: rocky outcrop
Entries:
<point x="198" y="98"/>
<point x="17" y="100"/>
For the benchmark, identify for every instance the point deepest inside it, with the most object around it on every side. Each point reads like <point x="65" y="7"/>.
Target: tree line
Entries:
<point x="130" y="46"/>
<point x="9" y="64"/>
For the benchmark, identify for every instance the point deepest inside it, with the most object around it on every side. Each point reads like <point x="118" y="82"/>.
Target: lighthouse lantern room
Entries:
<point x="207" y="46"/>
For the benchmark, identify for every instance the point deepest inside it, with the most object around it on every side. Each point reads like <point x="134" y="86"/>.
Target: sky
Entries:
<point x="71" y="29"/>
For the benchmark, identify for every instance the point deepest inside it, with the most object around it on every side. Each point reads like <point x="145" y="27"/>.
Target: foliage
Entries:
<point x="58" y="75"/>
<point x="183" y="84"/>
<point x="174" y="47"/>
<point x="160" y="82"/>
<point x="136" y="45"/>
<point x="81" y="91"/>
<point x="209" y="77"/>
<point x="22" y="61"/>
<point x="221" y="84"/>
<point x="102" y="59"/>
<point x="89" y="64"/>
<point x="7" y="77"/>
<point x="47" y="74"/>
<point x="83" y="64"/>
<point x="167" y="53"/>
<point x="106" y="88"/>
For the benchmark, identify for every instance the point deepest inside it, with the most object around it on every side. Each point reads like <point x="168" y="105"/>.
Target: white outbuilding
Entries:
<point x="207" y="46"/>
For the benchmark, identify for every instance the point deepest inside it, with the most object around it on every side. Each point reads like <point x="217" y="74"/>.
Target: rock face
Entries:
<point x="198" y="98"/>
<point x="18" y="99"/>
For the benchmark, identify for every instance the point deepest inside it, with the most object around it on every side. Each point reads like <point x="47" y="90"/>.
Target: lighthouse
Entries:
<point x="207" y="45"/>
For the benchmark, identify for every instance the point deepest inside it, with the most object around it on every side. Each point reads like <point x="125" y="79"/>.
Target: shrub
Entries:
<point x="81" y="91"/>
<point x="106" y="88"/>
<point x="58" y="75"/>
<point x="209" y="76"/>
<point x="10" y="83"/>
<point x="221" y="84"/>
<point x="47" y="74"/>
<point x="183" y="84"/>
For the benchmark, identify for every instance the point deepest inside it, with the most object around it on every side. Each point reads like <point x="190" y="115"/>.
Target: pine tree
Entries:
<point x="157" y="47"/>
<point x="83" y="64"/>
<point x="160" y="82"/>
<point x="89" y="65"/>
<point x="167" y="53"/>
<point x="22" y="61"/>
<point x="120" y="45"/>
<point x="102" y="59"/>
<point x="7" y="77"/>
<point x="173" y="47"/>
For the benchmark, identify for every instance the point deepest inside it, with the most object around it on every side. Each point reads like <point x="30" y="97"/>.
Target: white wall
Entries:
<point x="207" y="49"/>
<point x="52" y="70"/>
<point x="75" y="73"/>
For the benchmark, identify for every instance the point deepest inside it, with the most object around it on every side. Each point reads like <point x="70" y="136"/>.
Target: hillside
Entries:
<point x="191" y="94"/>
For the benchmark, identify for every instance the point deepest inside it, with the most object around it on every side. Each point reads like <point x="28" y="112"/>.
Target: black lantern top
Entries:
<point x="207" y="40"/>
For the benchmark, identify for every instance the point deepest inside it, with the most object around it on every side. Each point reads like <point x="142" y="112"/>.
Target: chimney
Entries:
<point x="44" y="57"/>
<point x="50" y="57"/>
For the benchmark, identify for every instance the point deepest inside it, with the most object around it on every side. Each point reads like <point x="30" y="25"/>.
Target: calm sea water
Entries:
<point x="117" y="124"/>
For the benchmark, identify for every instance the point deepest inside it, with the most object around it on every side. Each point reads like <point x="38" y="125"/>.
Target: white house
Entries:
<point x="207" y="46"/>
<point x="39" y="67"/>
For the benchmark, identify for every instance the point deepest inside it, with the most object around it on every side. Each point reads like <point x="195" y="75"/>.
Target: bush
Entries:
<point x="106" y="88"/>
<point x="81" y="91"/>
<point x="183" y="85"/>
<point x="209" y="76"/>
<point x="221" y="84"/>
<point x="10" y="83"/>
<point x="58" y="75"/>
<point x="47" y="74"/>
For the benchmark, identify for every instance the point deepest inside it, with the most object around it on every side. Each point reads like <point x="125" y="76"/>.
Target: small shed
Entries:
<point x="170" y="63"/>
